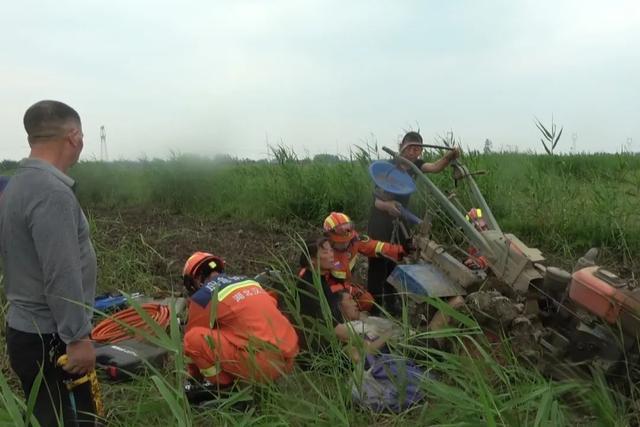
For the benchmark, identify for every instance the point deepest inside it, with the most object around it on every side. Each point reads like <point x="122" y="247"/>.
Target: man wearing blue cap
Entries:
<point x="386" y="208"/>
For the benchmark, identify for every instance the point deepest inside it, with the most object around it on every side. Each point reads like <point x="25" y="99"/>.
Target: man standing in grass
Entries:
<point x="385" y="210"/>
<point x="49" y="265"/>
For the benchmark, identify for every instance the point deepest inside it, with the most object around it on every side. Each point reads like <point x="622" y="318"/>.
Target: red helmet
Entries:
<point x="339" y="228"/>
<point x="198" y="267"/>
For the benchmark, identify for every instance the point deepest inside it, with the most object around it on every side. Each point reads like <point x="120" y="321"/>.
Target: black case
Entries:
<point x="124" y="359"/>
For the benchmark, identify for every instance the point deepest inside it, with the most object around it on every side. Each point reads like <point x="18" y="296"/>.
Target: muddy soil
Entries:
<point x="172" y="238"/>
<point x="247" y="247"/>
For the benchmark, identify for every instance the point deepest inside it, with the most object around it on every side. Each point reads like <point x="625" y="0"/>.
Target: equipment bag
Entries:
<point x="124" y="359"/>
<point x="390" y="383"/>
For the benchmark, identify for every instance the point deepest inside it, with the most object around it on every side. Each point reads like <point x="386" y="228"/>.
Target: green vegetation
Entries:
<point x="473" y="389"/>
<point x="562" y="204"/>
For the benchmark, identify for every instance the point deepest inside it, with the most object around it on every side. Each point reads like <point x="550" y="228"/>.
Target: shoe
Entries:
<point x="198" y="392"/>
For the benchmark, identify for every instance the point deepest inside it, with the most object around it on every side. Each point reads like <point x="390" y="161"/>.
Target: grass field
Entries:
<point x="563" y="204"/>
<point x="148" y="216"/>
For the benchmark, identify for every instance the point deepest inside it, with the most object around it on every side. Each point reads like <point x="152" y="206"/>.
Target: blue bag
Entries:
<point x="391" y="383"/>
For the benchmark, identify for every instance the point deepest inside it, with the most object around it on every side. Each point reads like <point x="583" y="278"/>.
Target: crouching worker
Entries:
<point x="234" y="328"/>
<point x="347" y="244"/>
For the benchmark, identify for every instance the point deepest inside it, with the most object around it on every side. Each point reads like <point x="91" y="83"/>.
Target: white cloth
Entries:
<point x="372" y="327"/>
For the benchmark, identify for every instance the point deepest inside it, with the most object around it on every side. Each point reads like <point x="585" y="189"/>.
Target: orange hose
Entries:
<point x="112" y="330"/>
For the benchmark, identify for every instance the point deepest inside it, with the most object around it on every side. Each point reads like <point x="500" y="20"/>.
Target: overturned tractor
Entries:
<point x="565" y="323"/>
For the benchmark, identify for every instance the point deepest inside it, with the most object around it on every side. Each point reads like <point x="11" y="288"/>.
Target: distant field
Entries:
<point x="563" y="204"/>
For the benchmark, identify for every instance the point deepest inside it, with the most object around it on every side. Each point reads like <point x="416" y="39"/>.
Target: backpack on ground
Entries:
<point x="390" y="383"/>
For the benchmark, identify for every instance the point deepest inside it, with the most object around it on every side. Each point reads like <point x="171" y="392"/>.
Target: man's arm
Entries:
<point x="442" y="163"/>
<point x="54" y="229"/>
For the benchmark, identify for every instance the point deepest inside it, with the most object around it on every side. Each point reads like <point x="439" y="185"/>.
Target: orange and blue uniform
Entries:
<point x="346" y="260"/>
<point x="235" y="330"/>
<point x="347" y="244"/>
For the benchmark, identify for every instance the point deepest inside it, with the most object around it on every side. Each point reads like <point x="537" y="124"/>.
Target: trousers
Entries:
<point x="30" y="353"/>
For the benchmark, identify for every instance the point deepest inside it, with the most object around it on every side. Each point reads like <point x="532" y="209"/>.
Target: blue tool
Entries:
<point x="108" y="302"/>
<point x="409" y="216"/>
<point x="424" y="280"/>
<point x="391" y="179"/>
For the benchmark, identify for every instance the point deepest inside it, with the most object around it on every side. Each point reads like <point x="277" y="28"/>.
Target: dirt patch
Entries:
<point x="172" y="238"/>
<point x="168" y="239"/>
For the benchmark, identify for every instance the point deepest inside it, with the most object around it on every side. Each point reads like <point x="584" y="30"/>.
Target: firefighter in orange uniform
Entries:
<point x="234" y="329"/>
<point x="347" y="244"/>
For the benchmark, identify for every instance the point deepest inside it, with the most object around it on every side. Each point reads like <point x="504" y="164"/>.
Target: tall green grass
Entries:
<point x="563" y="204"/>
<point x="472" y="388"/>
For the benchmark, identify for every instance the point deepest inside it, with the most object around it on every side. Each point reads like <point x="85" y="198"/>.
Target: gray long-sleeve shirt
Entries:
<point x="48" y="260"/>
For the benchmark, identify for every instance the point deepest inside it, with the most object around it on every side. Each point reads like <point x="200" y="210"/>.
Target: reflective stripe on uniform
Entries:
<point x="211" y="371"/>
<point x="352" y="263"/>
<point x="338" y="274"/>
<point x="379" y="247"/>
<point x="229" y="289"/>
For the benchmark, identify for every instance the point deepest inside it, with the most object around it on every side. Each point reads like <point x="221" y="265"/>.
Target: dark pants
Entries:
<point x="28" y="353"/>
<point x="383" y="293"/>
<point x="381" y="227"/>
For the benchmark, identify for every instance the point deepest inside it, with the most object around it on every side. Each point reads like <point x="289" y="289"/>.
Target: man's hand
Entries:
<point x="453" y="154"/>
<point x="391" y="207"/>
<point x="82" y="357"/>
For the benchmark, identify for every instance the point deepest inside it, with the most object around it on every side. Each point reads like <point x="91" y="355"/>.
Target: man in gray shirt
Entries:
<point x="49" y="263"/>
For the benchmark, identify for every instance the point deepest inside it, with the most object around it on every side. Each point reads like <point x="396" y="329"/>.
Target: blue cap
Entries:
<point x="391" y="179"/>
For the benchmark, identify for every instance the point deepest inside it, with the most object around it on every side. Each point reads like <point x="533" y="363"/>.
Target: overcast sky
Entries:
<point x="229" y="77"/>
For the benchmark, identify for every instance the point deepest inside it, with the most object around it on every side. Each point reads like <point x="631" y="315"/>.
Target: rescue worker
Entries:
<point x="385" y="211"/>
<point x="347" y="244"/>
<point x="234" y="328"/>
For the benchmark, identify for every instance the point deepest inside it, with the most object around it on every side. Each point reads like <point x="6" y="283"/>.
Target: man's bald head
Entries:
<point x="47" y="120"/>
